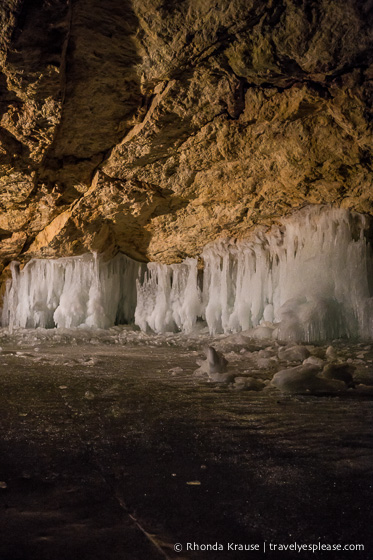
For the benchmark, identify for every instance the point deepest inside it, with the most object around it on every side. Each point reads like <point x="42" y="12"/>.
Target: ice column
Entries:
<point x="169" y="298"/>
<point x="72" y="292"/>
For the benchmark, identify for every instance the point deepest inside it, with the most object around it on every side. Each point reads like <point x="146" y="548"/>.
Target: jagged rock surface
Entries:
<point x="153" y="127"/>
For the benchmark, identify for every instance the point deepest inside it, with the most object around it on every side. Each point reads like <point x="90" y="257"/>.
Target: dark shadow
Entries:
<point x="100" y="91"/>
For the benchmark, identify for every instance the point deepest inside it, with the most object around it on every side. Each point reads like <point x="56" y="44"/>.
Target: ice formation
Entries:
<point x="169" y="298"/>
<point x="308" y="278"/>
<point x="305" y="379"/>
<point x="72" y="292"/>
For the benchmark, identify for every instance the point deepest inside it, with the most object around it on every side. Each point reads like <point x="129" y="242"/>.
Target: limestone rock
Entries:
<point x="153" y="128"/>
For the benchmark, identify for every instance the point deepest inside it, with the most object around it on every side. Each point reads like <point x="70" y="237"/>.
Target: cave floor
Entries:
<point x="105" y="454"/>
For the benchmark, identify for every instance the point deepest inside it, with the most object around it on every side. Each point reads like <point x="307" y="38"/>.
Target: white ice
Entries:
<point x="308" y="278"/>
<point x="168" y="297"/>
<point x="71" y="292"/>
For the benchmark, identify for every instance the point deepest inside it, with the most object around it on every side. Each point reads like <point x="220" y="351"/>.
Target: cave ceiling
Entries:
<point x="154" y="127"/>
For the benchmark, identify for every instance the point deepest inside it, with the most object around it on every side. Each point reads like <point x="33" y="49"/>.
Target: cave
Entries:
<point x="186" y="279"/>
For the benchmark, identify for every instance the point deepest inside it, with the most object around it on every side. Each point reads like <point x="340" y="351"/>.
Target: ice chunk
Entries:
<point x="293" y="354"/>
<point x="216" y="361"/>
<point x="267" y="363"/>
<point x="341" y="371"/>
<point x="331" y="353"/>
<point x="203" y="370"/>
<point x="215" y="367"/>
<point x="305" y="379"/>
<point x="314" y="361"/>
<point x="176" y="370"/>
<point x="261" y="332"/>
<point x="248" y="384"/>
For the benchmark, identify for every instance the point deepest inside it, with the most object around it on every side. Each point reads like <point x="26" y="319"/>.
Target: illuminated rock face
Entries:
<point x="308" y="279"/>
<point x="154" y="128"/>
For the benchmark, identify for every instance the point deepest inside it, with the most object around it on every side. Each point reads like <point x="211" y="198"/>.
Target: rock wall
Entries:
<point x="153" y="127"/>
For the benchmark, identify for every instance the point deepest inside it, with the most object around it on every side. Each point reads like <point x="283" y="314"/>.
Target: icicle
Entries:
<point x="305" y="279"/>
<point x="72" y="292"/>
<point x="9" y="304"/>
<point x="308" y="278"/>
<point x="168" y="299"/>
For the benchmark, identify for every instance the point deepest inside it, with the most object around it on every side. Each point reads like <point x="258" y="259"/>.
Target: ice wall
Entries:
<point x="308" y="278"/>
<point x="72" y="292"/>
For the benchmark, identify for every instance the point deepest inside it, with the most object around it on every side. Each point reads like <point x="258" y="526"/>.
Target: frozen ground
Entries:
<point x="106" y="434"/>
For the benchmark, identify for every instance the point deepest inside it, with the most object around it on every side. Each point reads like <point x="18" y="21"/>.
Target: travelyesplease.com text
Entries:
<point x="267" y="547"/>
